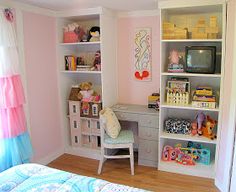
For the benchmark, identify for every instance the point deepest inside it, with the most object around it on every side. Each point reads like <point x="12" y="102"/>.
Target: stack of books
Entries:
<point x="204" y="97"/>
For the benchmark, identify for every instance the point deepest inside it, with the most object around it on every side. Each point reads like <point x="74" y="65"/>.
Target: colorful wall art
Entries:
<point x="143" y="54"/>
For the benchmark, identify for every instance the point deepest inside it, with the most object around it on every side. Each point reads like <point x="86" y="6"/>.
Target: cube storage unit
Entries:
<point x="205" y="23"/>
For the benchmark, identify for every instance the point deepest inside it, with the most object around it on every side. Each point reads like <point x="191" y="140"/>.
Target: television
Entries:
<point x="200" y="59"/>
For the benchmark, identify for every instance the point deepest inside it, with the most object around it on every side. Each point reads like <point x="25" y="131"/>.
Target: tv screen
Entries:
<point x="200" y="59"/>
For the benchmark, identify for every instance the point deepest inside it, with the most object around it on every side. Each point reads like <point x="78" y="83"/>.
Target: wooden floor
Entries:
<point x="118" y="171"/>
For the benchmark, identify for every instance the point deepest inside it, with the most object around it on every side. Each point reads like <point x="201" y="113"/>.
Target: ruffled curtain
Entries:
<point x="15" y="145"/>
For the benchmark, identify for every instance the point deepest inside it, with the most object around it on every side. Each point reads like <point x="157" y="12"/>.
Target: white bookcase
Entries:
<point x="185" y="14"/>
<point x="104" y="81"/>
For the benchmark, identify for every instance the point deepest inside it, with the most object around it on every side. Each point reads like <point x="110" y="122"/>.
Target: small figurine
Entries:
<point x="200" y="119"/>
<point x="194" y="130"/>
<point x="94" y="34"/>
<point x="207" y="130"/>
<point x="97" y="61"/>
<point x="174" y="65"/>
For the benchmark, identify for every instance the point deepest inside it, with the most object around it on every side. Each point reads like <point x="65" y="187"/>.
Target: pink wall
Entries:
<point x="41" y="77"/>
<point x="130" y="90"/>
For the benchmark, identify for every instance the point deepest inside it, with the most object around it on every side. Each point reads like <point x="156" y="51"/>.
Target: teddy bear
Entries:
<point x="87" y="94"/>
<point x="94" y="34"/>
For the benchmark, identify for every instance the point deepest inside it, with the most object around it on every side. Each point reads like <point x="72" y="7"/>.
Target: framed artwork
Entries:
<point x="142" y="54"/>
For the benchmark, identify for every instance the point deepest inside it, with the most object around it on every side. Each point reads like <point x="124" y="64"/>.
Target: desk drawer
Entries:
<point x="126" y="116"/>
<point x="149" y="121"/>
<point x="148" y="133"/>
<point x="148" y="150"/>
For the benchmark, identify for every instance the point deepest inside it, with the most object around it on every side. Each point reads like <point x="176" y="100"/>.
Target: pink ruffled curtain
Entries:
<point x="15" y="146"/>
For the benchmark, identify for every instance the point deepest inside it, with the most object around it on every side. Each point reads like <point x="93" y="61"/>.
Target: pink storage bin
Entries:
<point x="70" y="37"/>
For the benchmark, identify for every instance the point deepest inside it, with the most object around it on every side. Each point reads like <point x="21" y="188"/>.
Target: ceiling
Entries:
<point x="119" y="5"/>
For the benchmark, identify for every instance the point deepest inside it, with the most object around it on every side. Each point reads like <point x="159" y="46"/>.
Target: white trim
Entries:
<point x="83" y="152"/>
<point x="79" y="12"/>
<point x="220" y="186"/>
<point x="141" y="13"/>
<point x="50" y="157"/>
<point x="187" y="3"/>
<point x="29" y="8"/>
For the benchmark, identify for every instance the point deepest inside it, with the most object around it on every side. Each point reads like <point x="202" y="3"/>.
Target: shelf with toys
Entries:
<point x="187" y="157"/>
<point x="85" y="54"/>
<point x="192" y="74"/>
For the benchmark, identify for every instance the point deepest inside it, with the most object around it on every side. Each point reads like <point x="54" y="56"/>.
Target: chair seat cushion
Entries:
<point x="125" y="136"/>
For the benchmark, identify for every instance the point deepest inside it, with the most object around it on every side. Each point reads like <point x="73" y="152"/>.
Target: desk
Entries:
<point x="148" y="128"/>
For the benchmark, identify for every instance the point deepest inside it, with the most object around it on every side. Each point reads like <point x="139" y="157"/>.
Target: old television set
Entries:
<point x="200" y="59"/>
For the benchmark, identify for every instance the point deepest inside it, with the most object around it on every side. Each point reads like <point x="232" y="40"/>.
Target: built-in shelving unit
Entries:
<point x="104" y="81"/>
<point x="184" y="14"/>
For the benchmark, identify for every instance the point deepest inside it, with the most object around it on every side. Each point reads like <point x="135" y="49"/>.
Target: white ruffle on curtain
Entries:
<point x="15" y="145"/>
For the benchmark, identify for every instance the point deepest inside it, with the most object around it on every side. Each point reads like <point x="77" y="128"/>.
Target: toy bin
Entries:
<point x="70" y="37"/>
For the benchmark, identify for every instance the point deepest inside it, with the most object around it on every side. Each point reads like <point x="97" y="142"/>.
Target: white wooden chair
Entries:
<point x="125" y="139"/>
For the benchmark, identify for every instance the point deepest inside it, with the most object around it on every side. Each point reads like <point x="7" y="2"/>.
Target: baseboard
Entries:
<point x="219" y="186"/>
<point x="83" y="152"/>
<point x="49" y="158"/>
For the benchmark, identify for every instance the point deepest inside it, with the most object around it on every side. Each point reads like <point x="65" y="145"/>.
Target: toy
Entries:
<point x="200" y="119"/>
<point x="207" y="130"/>
<point x="86" y="94"/>
<point x="202" y="31"/>
<point x="177" y="126"/>
<point x="169" y="153"/>
<point x="97" y="61"/>
<point x="174" y="65"/>
<point x="194" y="128"/>
<point x="94" y="34"/>
<point x="178" y="91"/>
<point x="185" y="159"/>
<point x="170" y="31"/>
<point x="73" y="32"/>
<point x="153" y="101"/>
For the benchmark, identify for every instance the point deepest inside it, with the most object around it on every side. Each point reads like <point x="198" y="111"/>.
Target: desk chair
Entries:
<point x="125" y="139"/>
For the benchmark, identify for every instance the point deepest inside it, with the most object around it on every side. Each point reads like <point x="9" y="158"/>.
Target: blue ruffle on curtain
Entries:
<point x="15" y="145"/>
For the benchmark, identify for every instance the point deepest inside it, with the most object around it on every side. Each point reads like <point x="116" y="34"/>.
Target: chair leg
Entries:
<point x="131" y="151"/>
<point x="102" y="159"/>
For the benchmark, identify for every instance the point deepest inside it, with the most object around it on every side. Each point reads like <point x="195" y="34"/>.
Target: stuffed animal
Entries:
<point x="207" y="130"/>
<point x="86" y="94"/>
<point x="174" y="57"/>
<point x="200" y="119"/>
<point x="94" y="34"/>
<point x="194" y="130"/>
<point x="97" y="61"/>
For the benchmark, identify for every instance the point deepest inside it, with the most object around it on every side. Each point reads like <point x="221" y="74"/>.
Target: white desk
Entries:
<point x="148" y="128"/>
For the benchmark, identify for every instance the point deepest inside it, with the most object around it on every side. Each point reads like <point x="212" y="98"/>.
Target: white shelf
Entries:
<point x="200" y="170"/>
<point x="188" y="107"/>
<point x="191" y="40"/>
<point x="91" y="72"/>
<point x="182" y="137"/>
<point x="191" y="74"/>
<point x="81" y="43"/>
